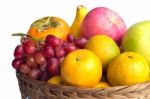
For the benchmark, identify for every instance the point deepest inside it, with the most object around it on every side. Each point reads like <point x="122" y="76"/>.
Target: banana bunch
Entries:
<point x="80" y="14"/>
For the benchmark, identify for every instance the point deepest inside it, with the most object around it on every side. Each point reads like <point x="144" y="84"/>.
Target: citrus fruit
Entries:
<point x="137" y="39"/>
<point x="104" y="47"/>
<point x="49" y="26"/>
<point x="57" y="80"/>
<point x="127" y="69"/>
<point x="81" y="68"/>
<point x="102" y="85"/>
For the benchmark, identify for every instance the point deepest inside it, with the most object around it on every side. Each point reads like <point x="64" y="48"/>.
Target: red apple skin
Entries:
<point x="104" y="21"/>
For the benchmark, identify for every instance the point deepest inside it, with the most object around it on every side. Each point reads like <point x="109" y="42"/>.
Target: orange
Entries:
<point x="102" y="85"/>
<point x="81" y="68"/>
<point x="49" y="26"/>
<point x="57" y="80"/>
<point x="127" y="69"/>
<point x="104" y="47"/>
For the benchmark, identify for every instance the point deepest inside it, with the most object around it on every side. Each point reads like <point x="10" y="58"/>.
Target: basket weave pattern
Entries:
<point x="32" y="89"/>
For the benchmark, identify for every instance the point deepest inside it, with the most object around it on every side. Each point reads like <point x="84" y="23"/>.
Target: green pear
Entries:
<point x="137" y="39"/>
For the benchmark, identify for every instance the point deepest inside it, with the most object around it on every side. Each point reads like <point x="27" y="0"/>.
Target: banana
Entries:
<point x="80" y="14"/>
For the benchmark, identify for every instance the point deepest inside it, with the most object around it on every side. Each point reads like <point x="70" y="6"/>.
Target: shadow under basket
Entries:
<point x="33" y="89"/>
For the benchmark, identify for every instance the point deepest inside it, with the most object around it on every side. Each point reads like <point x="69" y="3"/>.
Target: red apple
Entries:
<point x="103" y="21"/>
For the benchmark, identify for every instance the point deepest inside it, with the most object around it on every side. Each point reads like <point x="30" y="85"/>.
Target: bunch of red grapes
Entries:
<point x="42" y="60"/>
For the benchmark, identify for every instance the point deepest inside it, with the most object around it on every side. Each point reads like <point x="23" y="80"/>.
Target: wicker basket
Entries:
<point x="32" y="89"/>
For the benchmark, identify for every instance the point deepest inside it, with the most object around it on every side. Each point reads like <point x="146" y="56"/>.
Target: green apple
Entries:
<point x="137" y="39"/>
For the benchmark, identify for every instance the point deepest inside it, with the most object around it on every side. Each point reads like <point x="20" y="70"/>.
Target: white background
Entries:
<point x="17" y="15"/>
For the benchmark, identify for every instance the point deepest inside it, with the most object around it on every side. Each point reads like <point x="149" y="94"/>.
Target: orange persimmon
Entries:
<point x="49" y="26"/>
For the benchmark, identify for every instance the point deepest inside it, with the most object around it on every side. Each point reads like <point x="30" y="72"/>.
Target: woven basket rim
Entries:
<point x="37" y="89"/>
<point x="74" y="87"/>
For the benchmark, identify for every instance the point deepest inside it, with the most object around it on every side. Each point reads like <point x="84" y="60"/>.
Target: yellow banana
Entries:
<point x="80" y="14"/>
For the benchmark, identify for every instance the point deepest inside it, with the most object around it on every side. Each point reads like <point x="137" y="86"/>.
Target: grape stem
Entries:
<point x="19" y="34"/>
<point x="22" y="35"/>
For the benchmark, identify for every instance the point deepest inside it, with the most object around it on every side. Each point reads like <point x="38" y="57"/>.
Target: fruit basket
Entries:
<point x="55" y="61"/>
<point x="33" y="89"/>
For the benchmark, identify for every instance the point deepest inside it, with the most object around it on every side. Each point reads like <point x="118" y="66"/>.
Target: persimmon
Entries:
<point x="49" y="26"/>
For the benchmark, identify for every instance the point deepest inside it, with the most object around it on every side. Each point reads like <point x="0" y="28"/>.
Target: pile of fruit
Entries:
<point x="97" y="51"/>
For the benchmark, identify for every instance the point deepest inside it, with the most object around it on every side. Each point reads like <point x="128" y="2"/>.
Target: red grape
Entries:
<point x="29" y="47"/>
<point x="43" y="67"/>
<point x="25" y="69"/>
<point x="60" y="60"/>
<point x="80" y="42"/>
<point x="44" y="76"/>
<point x="24" y="39"/>
<point x="59" y="51"/>
<point x="19" y="51"/>
<point x="53" y="66"/>
<point x="53" y="41"/>
<point x="16" y="63"/>
<point x="48" y="51"/>
<point x="61" y="42"/>
<point x="30" y="61"/>
<point x="35" y="73"/>
<point x="68" y="47"/>
<point x="39" y="57"/>
<point x="41" y="43"/>
<point x="70" y="38"/>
